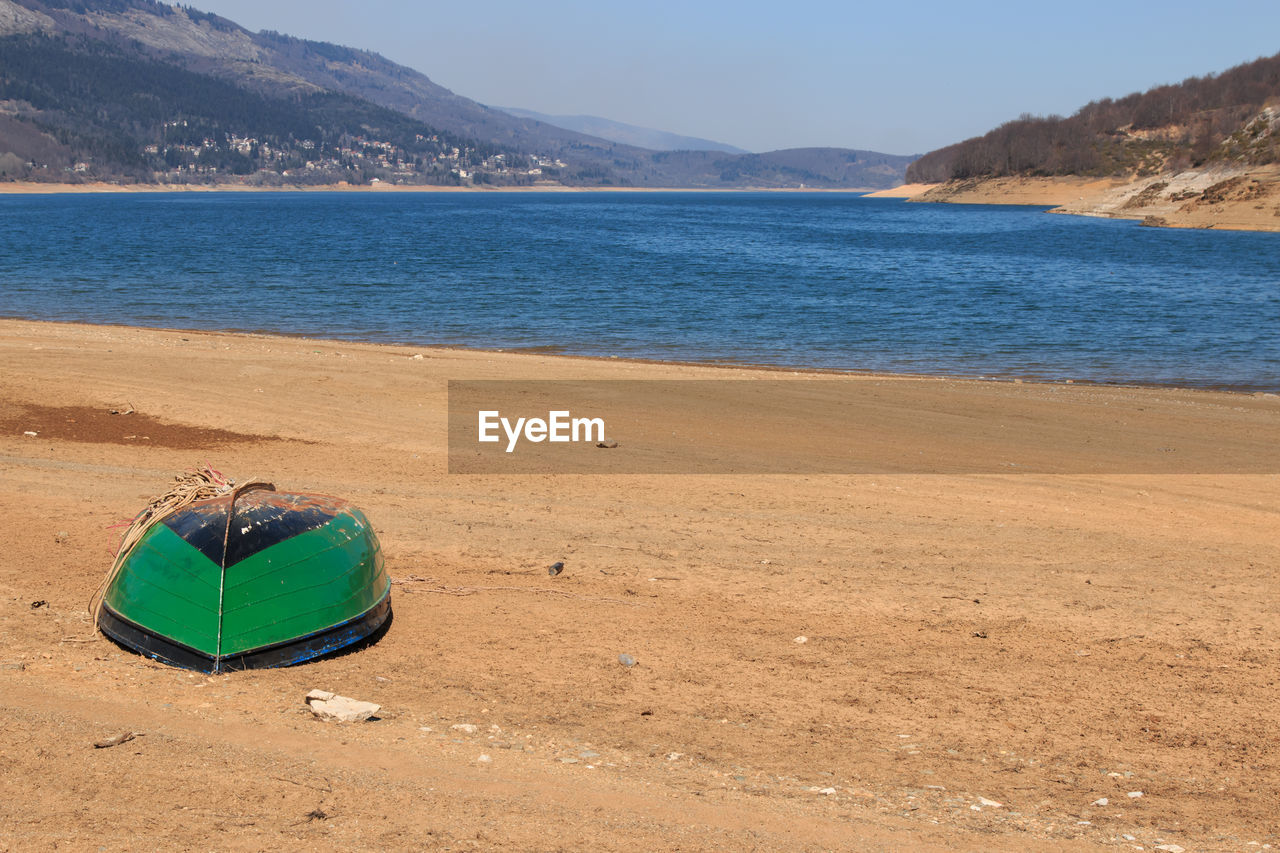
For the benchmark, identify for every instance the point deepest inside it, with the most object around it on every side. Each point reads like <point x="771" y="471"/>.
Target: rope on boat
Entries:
<point x="222" y="574"/>
<point x="200" y="484"/>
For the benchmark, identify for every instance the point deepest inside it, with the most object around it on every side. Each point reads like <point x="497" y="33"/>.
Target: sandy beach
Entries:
<point x="1073" y="660"/>
<point x="903" y="191"/>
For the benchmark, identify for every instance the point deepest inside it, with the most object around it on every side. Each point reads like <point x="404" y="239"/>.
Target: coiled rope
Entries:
<point x="188" y="487"/>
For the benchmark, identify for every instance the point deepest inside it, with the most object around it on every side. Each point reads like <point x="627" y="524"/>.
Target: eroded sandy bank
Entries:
<point x="1219" y="197"/>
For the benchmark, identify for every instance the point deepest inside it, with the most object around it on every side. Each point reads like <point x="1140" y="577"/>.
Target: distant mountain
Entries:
<point x="824" y="168"/>
<point x="626" y="134"/>
<point x="1228" y="118"/>
<point x="141" y="90"/>
<point x="82" y="109"/>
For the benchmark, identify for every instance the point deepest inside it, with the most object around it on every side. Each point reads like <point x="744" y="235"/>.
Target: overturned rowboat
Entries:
<point x="247" y="579"/>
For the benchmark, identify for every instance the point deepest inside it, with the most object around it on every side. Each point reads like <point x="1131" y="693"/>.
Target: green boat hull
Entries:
<point x="290" y="578"/>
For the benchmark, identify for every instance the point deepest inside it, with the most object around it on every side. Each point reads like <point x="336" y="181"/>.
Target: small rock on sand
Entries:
<point x="331" y="706"/>
<point x="627" y="660"/>
<point x="465" y="728"/>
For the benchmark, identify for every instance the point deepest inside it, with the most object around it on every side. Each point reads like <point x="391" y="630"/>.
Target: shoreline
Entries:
<point x="106" y="188"/>
<point x="906" y="191"/>
<point x="1218" y="198"/>
<point x="1009" y="377"/>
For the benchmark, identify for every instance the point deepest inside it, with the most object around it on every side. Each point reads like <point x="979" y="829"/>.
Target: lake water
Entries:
<point x="826" y="280"/>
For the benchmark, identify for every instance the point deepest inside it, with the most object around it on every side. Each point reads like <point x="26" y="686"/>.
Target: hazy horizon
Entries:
<point x="812" y="74"/>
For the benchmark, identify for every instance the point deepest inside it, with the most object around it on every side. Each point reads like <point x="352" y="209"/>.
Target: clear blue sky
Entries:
<point x="902" y="78"/>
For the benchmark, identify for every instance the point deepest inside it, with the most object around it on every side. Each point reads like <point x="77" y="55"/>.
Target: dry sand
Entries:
<point x="1047" y="642"/>
<point x="1034" y="191"/>
<point x="903" y="191"/>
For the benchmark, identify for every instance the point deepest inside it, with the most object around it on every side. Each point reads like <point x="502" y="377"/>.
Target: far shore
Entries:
<point x="1219" y="198"/>
<point x="41" y="188"/>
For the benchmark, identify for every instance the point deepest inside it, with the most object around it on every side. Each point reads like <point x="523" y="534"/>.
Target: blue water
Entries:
<point x="825" y="280"/>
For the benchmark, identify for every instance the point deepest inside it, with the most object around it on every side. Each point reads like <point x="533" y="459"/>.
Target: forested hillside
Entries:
<point x="113" y="111"/>
<point x="1229" y="117"/>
